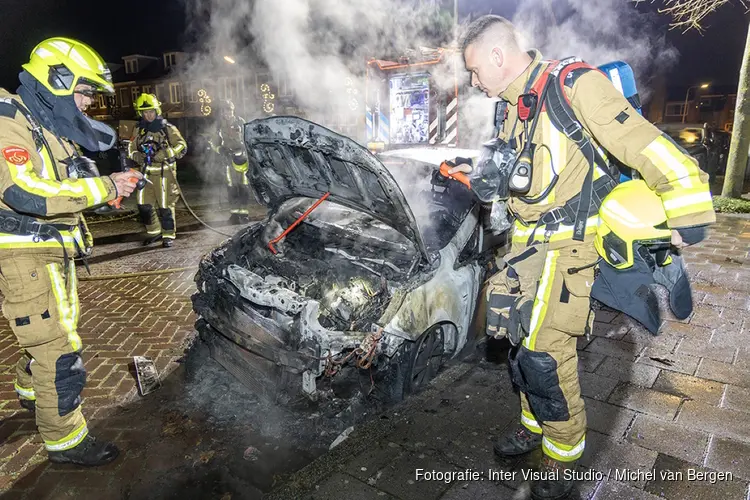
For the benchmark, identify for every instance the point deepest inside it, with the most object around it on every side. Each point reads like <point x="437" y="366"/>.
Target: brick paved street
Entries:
<point x="671" y="402"/>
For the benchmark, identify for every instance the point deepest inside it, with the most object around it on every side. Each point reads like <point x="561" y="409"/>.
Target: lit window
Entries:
<point x="175" y="93"/>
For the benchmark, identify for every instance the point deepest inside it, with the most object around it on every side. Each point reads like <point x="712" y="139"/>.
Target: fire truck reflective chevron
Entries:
<point x="451" y="122"/>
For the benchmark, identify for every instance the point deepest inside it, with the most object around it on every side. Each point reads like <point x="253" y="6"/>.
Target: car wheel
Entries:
<point x="426" y="360"/>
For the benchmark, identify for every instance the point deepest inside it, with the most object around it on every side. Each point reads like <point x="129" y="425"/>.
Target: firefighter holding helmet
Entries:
<point x="549" y="166"/>
<point x="155" y="147"/>
<point x="45" y="184"/>
<point x="230" y="147"/>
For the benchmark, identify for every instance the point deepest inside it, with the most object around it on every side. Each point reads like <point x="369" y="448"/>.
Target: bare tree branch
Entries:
<point x="689" y="14"/>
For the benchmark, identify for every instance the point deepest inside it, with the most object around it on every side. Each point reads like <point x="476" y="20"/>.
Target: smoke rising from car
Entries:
<point x="598" y="31"/>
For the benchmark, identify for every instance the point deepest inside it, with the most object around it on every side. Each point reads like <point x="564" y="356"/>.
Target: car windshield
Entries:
<point x="440" y="211"/>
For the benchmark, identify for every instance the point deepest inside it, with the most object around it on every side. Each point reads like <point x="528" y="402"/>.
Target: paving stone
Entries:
<point x="596" y="386"/>
<point x="670" y="439"/>
<point x="406" y="479"/>
<point x="471" y="449"/>
<point x="736" y="398"/>
<point x="685" y="330"/>
<point x="609" y="331"/>
<point x="615" y="489"/>
<point x="666" y="360"/>
<point x="606" y="316"/>
<point x="704" y="349"/>
<point x="730" y="456"/>
<point x="614" y="348"/>
<point x="668" y="487"/>
<point x="723" y="372"/>
<point x="643" y="400"/>
<point x="478" y="490"/>
<point x="730" y="337"/>
<point x="743" y="357"/>
<point x="368" y="463"/>
<point x="642" y="338"/>
<point x="589" y="361"/>
<point x="606" y="418"/>
<point x="604" y="453"/>
<point x="689" y="387"/>
<point x="720" y="421"/>
<point x="338" y="483"/>
<point x="626" y="371"/>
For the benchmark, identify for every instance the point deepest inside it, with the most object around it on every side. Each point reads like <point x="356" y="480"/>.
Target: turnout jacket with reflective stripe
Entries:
<point x="616" y="129"/>
<point x="169" y="140"/>
<point x="31" y="183"/>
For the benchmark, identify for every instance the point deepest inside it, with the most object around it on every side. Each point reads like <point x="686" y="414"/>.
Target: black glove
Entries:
<point x="692" y="235"/>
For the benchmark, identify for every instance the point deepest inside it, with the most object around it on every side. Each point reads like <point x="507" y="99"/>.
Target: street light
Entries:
<point x="684" y="109"/>
<point x="229" y="59"/>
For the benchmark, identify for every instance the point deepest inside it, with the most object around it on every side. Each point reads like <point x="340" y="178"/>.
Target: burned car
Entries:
<point x="345" y="279"/>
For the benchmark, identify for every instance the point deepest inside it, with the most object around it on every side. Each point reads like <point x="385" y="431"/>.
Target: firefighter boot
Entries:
<point x="517" y="442"/>
<point x="552" y="483"/>
<point x="89" y="453"/>
<point x="167" y="242"/>
<point x="151" y="239"/>
<point x="234" y="219"/>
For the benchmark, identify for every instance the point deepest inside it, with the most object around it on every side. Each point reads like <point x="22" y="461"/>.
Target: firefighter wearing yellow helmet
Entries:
<point x="229" y="144"/>
<point x="45" y="184"/>
<point x="559" y="124"/>
<point x="155" y="147"/>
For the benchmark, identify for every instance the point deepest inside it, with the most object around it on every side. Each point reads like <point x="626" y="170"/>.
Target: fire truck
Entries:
<point x="414" y="101"/>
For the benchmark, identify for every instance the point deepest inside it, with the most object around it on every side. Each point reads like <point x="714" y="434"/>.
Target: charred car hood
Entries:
<point x="292" y="157"/>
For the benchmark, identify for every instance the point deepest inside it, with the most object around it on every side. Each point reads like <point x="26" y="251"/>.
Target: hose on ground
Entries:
<point x="184" y="201"/>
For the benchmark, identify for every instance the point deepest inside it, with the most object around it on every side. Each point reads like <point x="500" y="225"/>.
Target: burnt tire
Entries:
<point x="426" y="359"/>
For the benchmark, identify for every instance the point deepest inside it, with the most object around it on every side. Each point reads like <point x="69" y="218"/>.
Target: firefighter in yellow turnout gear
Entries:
<point x="44" y="186"/>
<point x="541" y="297"/>
<point x="156" y="147"/>
<point x="229" y="144"/>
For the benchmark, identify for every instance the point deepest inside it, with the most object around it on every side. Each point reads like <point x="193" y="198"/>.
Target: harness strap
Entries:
<point x="23" y="225"/>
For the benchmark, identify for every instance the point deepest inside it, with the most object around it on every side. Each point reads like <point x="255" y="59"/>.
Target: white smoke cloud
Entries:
<point x="598" y="31"/>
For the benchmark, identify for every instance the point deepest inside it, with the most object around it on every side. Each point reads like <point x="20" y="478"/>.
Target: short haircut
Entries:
<point x="485" y="24"/>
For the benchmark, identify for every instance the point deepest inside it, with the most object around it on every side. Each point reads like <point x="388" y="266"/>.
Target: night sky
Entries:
<point x="152" y="27"/>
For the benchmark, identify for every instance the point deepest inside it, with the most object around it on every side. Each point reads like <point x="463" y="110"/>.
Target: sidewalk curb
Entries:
<point x="376" y="430"/>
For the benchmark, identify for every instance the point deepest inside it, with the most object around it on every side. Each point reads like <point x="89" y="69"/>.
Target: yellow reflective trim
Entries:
<point x="25" y="177"/>
<point x="163" y="191"/>
<point x="541" y="300"/>
<point x="64" y="308"/>
<point x="18" y="241"/>
<point x="70" y="441"/>
<point x="25" y="392"/>
<point x="229" y="176"/>
<point x="521" y="233"/>
<point x="528" y="421"/>
<point x="562" y="452"/>
<point x="675" y="166"/>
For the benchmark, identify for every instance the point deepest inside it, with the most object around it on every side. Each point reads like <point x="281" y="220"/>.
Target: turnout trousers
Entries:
<point x="41" y="304"/>
<point x="156" y="201"/>
<point x="536" y="295"/>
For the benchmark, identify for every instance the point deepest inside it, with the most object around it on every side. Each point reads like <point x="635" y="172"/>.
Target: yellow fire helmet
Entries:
<point x="631" y="213"/>
<point x="147" y="101"/>
<point x="62" y="63"/>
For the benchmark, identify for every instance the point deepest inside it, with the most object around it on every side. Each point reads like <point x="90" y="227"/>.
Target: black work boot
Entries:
<point x="552" y="484"/>
<point x="244" y="219"/>
<point x="89" y="453"/>
<point x="517" y="442"/>
<point x="28" y="404"/>
<point x="167" y="242"/>
<point x="234" y="219"/>
<point x="151" y="239"/>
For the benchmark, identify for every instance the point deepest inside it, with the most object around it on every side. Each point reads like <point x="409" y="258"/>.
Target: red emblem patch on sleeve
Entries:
<point x="16" y="155"/>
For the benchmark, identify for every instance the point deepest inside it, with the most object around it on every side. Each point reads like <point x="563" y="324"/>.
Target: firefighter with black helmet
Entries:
<point x="562" y="120"/>
<point x="44" y="187"/>
<point x="156" y="146"/>
<point x="230" y="147"/>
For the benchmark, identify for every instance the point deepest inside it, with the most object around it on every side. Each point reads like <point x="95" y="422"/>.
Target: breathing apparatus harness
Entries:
<point x="502" y="172"/>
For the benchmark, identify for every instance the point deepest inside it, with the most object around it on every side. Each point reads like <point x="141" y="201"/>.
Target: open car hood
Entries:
<point x="291" y="157"/>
